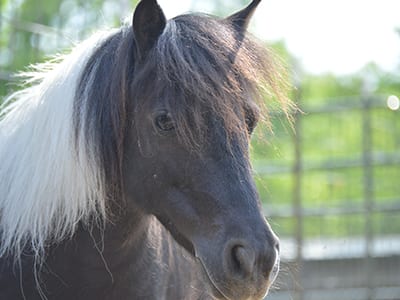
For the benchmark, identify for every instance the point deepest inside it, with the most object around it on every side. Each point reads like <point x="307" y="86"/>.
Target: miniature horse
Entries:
<point x="125" y="168"/>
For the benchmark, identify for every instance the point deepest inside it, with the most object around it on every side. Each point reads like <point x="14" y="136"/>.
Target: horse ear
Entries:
<point x="148" y="24"/>
<point x="241" y="19"/>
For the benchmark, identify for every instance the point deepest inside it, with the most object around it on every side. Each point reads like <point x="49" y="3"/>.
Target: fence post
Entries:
<point x="297" y="199"/>
<point x="368" y="188"/>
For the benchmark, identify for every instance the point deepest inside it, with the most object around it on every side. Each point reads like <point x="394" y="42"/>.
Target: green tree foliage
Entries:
<point x="32" y="30"/>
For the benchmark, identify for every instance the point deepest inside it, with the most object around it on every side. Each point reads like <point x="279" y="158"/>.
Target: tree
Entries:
<point x="31" y="30"/>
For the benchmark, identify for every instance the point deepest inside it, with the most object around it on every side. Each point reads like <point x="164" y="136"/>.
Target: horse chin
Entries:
<point x="215" y="291"/>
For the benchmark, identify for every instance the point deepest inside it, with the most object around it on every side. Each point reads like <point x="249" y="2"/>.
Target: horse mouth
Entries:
<point x="218" y="294"/>
<point x="225" y="293"/>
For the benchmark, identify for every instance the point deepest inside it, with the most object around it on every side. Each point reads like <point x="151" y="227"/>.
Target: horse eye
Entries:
<point x="164" y="122"/>
<point x="252" y="116"/>
<point x="251" y="123"/>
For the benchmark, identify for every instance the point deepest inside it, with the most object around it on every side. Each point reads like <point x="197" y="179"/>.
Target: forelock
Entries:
<point x="203" y="67"/>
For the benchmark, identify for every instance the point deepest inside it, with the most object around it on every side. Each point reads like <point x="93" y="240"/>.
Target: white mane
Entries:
<point x="47" y="183"/>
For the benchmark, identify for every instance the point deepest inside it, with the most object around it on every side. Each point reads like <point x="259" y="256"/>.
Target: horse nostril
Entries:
<point x="277" y="245"/>
<point x="243" y="260"/>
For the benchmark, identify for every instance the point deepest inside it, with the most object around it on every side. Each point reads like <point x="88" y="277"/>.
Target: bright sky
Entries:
<point x="339" y="36"/>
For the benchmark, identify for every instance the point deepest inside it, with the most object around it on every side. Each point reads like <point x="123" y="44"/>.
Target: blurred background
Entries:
<point x="330" y="186"/>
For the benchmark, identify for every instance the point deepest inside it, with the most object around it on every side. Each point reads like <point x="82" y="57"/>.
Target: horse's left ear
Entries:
<point x="148" y="24"/>
<point x="242" y="18"/>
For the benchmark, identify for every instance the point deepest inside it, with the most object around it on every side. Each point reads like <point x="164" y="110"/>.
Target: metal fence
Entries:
<point x="362" y="262"/>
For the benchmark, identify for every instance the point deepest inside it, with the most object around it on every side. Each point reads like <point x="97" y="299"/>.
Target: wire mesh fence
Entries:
<point x="338" y="217"/>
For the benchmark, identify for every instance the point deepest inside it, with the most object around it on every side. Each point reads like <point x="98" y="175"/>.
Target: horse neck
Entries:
<point x="123" y="239"/>
<point x="121" y="261"/>
<point x="103" y="253"/>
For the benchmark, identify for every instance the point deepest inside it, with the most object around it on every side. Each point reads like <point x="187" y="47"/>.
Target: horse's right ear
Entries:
<point x="148" y="24"/>
<point x="242" y="18"/>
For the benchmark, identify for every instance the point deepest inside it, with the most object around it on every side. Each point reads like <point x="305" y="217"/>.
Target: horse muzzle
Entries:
<point x="243" y="271"/>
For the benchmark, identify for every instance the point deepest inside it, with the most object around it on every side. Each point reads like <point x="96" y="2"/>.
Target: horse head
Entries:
<point x="186" y="158"/>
